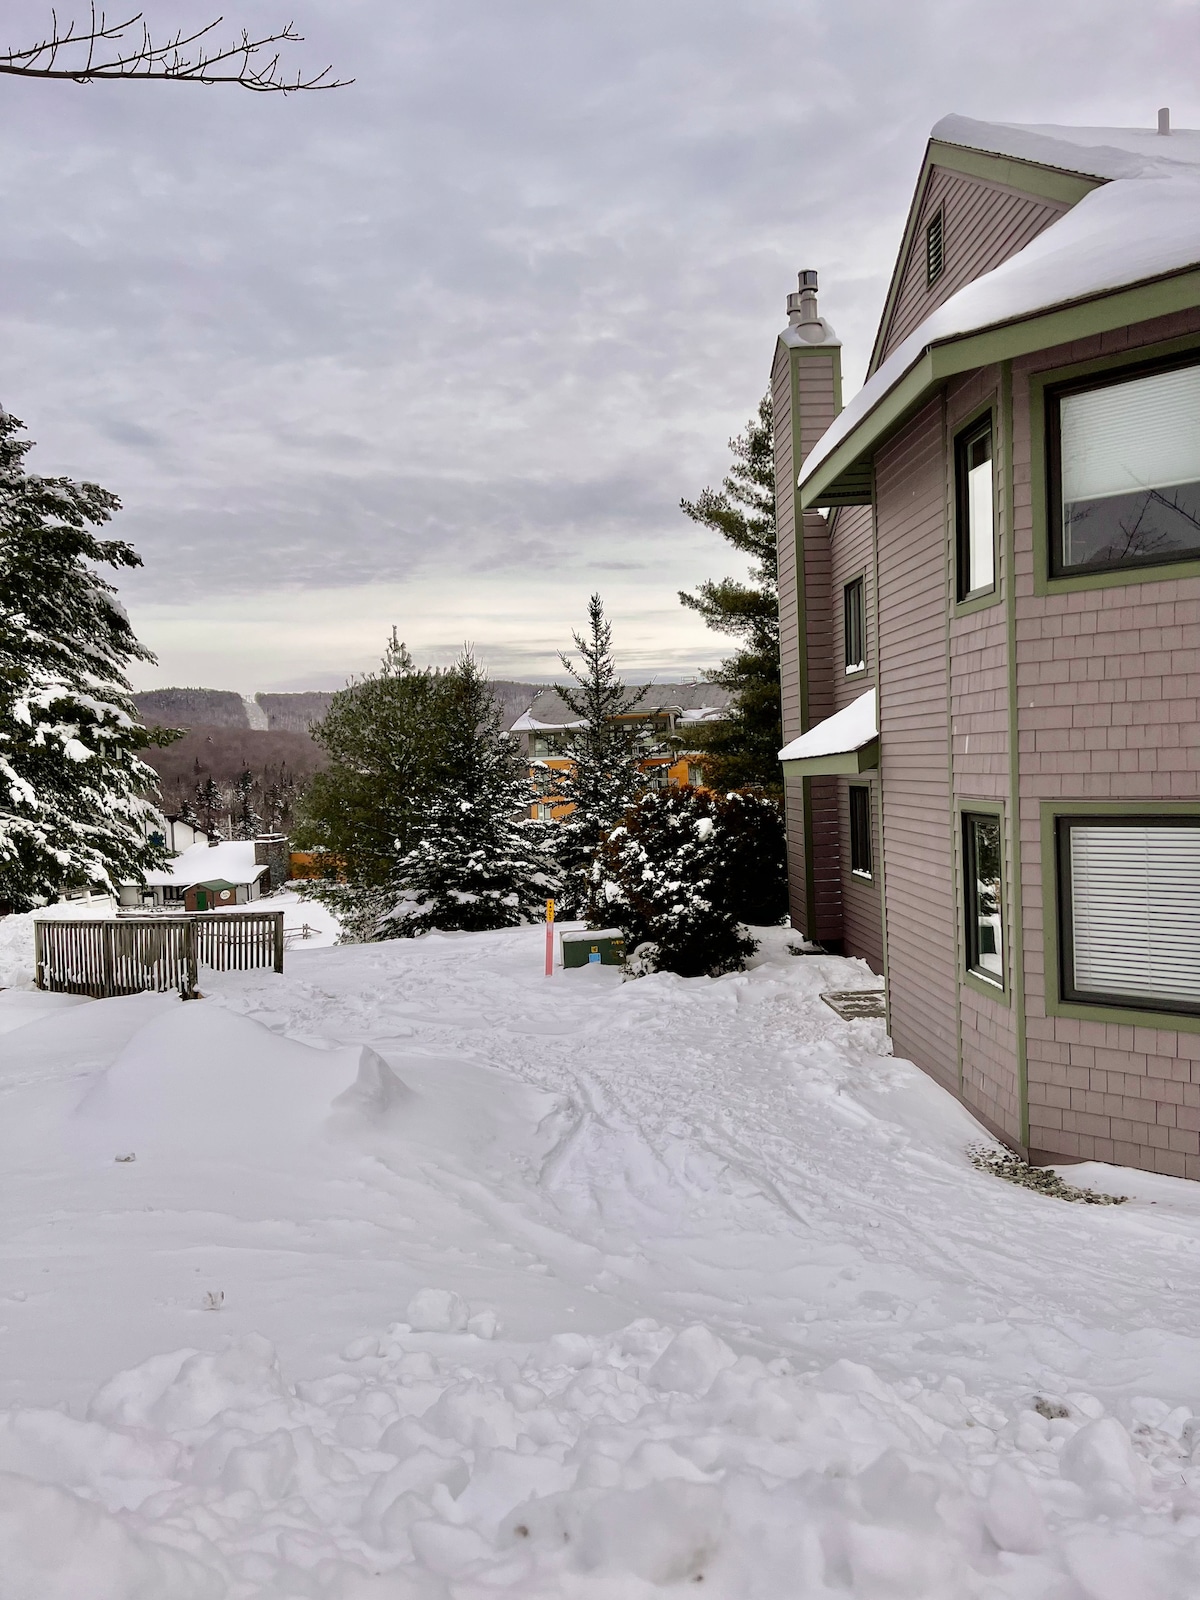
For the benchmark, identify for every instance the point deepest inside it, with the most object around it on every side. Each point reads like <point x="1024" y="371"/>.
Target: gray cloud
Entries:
<point x="476" y="323"/>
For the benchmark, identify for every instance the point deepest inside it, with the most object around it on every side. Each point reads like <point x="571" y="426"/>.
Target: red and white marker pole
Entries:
<point x="549" y="938"/>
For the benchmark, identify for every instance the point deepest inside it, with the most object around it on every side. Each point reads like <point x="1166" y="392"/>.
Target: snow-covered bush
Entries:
<point x="476" y="868"/>
<point x="683" y="873"/>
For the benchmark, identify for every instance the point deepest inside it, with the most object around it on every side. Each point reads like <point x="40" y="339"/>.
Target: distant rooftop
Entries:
<point x="690" y="702"/>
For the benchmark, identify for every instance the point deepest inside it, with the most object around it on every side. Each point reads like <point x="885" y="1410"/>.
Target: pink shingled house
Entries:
<point x="990" y="602"/>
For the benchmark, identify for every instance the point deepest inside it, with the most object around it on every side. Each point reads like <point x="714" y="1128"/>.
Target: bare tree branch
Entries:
<point x="98" y="52"/>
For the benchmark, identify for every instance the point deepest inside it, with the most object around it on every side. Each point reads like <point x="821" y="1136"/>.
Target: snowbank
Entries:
<point x="609" y="1468"/>
<point x="634" y="1285"/>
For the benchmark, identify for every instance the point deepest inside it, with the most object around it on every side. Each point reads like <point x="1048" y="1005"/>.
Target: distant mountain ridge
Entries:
<point x="285" y="713"/>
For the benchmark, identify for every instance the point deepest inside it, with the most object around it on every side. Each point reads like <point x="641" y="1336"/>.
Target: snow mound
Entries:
<point x="16" y="951"/>
<point x="202" y="1079"/>
<point x="661" y="1459"/>
<point x="19" y="1007"/>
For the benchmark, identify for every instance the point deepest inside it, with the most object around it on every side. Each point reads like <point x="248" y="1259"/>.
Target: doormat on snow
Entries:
<point x="850" y="1004"/>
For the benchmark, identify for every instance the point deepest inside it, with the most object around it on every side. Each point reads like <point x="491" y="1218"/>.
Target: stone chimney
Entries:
<point x="271" y="851"/>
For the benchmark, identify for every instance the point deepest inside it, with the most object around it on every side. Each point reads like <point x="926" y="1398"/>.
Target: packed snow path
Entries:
<point x="582" y="1288"/>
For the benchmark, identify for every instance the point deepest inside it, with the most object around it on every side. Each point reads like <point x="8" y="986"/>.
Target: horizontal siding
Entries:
<point x="862" y="917"/>
<point x="985" y="224"/>
<point x="917" y="850"/>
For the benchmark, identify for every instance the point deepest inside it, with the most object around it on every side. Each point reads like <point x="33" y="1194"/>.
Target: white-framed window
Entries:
<point x="1129" y="911"/>
<point x="975" y="497"/>
<point x="1124" y="469"/>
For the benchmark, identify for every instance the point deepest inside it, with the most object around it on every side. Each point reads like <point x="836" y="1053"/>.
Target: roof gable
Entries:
<point x="993" y="206"/>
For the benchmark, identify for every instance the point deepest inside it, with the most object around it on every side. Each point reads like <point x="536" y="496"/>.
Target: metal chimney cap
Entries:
<point x="808" y="278"/>
<point x="1164" y="119"/>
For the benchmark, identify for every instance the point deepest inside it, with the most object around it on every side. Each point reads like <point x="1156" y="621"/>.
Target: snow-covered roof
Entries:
<point x="849" y="729"/>
<point x="1094" y="152"/>
<point x="1142" y="224"/>
<point x="692" y="702"/>
<point x="232" y="861"/>
<point x="528" y="723"/>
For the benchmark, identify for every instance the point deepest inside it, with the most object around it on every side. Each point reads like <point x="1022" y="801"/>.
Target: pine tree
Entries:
<point x="210" y="805"/>
<point x="382" y="736"/>
<point x="743" y="750"/>
<point x="605" y="776"/>
<point x="72" y="781"/>
<point x="480" y="863"/>
<point x="245" y="820"/>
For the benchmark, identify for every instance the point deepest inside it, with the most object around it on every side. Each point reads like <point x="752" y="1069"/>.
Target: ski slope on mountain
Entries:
<point x="413" y="1273"/>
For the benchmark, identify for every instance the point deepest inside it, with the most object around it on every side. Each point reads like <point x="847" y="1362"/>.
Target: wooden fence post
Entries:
<point x="192" y="967"/>
<point x="38" y="975"/>
<point x="279" y="941"/>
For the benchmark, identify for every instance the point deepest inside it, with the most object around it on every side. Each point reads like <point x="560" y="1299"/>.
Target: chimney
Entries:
<point x="1164" y="119"/>
<point x="802" y="304"/>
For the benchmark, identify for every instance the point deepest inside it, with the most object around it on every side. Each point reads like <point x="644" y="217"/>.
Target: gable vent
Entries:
<point x="935" y="248"/>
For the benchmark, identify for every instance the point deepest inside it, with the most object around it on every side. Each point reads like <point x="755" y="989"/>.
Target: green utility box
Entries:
<point x="599" y="946"/>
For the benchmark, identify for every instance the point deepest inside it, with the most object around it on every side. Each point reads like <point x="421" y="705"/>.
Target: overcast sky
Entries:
<point x="444" y="349"/>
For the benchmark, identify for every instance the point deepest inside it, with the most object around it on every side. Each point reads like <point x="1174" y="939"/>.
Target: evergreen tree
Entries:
<point x="383" y="736"/>
<point x="210" y="805"/>
<point x="72" y="781"/>
<point x="605" y="777"/>
<point x="481" y="863"/>
<point x="684" y="873"/>
<point x="744" y="749"/>
<point x="245" y="820"/>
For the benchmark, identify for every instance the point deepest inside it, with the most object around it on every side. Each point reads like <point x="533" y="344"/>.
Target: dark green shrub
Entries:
<point x="684" y="872"/>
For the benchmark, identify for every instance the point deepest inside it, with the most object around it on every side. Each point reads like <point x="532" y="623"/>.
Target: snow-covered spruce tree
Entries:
<point x="684" y="873"/>
<point x="605" y="776"/>
<point x="382" y="737"/>
<point x="247" y="823"/>
<point x="72" y="780"/>
<point x="480" y="863"/>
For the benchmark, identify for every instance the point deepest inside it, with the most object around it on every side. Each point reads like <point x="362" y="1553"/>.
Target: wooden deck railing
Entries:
<point x="109" y="956"/>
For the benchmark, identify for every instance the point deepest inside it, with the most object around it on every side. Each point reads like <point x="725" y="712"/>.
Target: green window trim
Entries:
<point x="1043" y="387"/>
<point x="1055" y="1005"/>
<point x="967" y="600"/>
<point x="966" y="810"/>
<point x="854" y="622"/>
<point x="845" y="476"/>
<point x="862" y="841"/>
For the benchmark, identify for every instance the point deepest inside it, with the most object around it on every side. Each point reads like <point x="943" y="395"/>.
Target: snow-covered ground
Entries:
<point x="424" y="1275"/>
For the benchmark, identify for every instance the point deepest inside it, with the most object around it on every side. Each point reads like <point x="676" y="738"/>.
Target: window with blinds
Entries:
<point x="1130" y="911"/>
<point x="1125" y="471"/>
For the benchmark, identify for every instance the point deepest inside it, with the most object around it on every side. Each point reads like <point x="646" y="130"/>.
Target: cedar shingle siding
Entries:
<point x="1106" y="708"/>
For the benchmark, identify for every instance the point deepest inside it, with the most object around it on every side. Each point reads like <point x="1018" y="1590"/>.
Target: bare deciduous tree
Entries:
<point x="103" y="50"/>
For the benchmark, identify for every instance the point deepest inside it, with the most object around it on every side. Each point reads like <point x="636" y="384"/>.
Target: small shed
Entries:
<point x="217" y="894"/>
